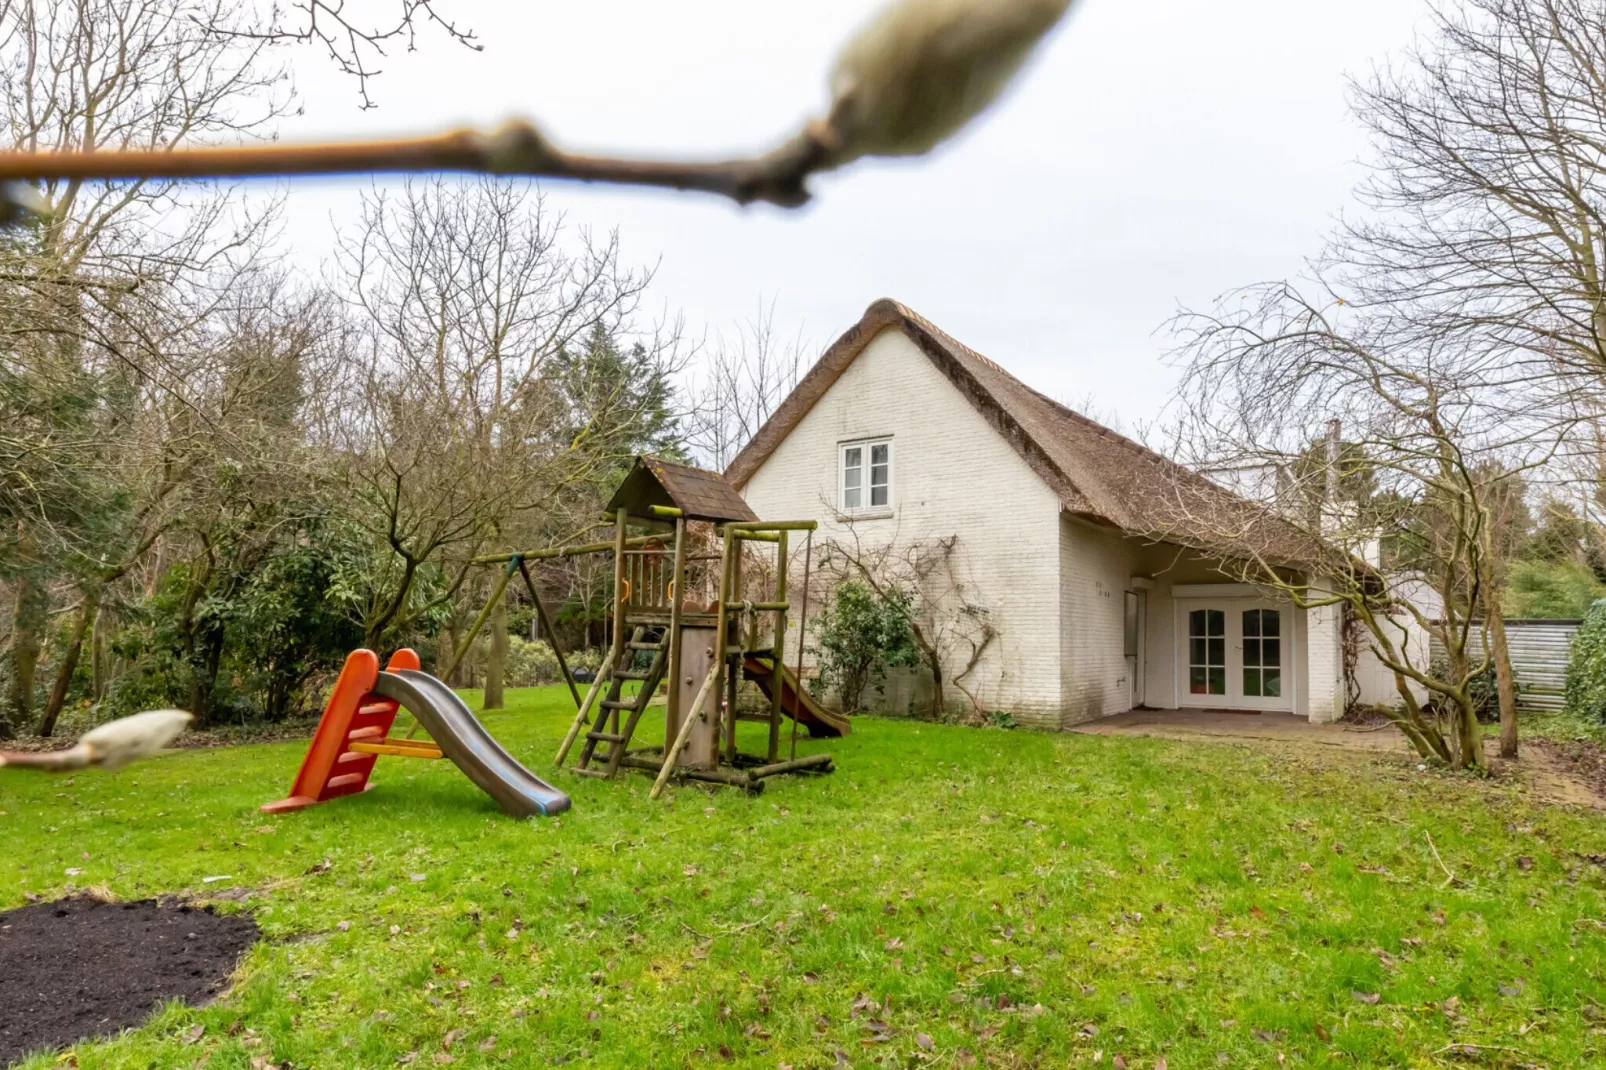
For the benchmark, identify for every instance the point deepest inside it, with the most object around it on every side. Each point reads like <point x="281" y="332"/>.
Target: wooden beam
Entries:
<point x="675" y="590"/>
<point x="821" y="762"/>
<point x="579" y="721"/>
<point x="551" y="632"/>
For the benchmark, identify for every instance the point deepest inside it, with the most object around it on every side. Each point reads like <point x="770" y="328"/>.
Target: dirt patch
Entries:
<point x="1583" y="758"/>
<point x="81" y="968"/>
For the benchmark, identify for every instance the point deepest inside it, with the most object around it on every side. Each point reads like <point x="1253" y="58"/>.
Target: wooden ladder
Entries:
<point x="615" y="703"/>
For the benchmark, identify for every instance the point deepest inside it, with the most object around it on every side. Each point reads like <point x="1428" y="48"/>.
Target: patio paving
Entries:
<point x="1235" y="724"/>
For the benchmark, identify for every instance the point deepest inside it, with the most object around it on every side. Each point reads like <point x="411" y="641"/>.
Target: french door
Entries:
<point x="1236" y="655"/>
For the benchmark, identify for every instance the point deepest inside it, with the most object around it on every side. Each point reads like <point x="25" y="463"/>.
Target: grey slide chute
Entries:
<point x="461" y="737"/>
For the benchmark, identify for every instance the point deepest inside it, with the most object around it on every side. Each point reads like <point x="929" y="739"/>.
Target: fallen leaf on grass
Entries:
<point x="1525" y="863"/>
<point x="1366" y="997"/>
<point x="406" y="1057"/>
<point x="194" y="1033"/>
<point x="923" y="1041"/>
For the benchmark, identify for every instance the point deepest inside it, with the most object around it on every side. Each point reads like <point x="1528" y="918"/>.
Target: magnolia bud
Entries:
<point x="921" y="69"/>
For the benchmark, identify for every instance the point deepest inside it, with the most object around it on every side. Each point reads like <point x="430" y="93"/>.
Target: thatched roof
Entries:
<point x="696" y="492"/>
<point x="1097" y="474"/>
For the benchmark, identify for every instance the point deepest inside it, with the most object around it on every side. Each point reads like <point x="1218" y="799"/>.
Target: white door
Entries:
<point x="1235" y="654"/>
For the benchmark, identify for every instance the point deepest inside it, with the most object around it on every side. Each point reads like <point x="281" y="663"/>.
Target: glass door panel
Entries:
<point x="1263" y="663"/>
<point x="1207" y="652"/>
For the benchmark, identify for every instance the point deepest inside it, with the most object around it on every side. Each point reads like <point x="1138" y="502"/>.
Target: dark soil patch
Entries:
<point x="81" y="968"/>
<point x="1585" y="758"/>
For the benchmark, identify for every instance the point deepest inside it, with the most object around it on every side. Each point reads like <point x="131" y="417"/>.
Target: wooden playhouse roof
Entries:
<point x="698" y="493"/>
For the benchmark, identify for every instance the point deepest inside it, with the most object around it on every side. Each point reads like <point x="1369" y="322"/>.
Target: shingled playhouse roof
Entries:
<point x="1097" y="474"/>
<point x="698" y="493"/>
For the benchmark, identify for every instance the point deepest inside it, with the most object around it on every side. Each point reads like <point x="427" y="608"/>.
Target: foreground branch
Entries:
<point x="516" y="149"/>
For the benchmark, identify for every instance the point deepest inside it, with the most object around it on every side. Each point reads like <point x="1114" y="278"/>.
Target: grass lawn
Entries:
<point x="949" y="895"/>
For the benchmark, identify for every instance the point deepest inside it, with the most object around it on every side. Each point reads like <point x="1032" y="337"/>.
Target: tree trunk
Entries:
<point x="99" y="674"/>
<point x="1471" y="733"/>
<point x="496" y="664"/>
<point x="1505" y="681"/>
<point x="69" y="664"/>
<point x="446" y="643"/>
<point x="28" y="615"/>
<point x="203" y="688"/>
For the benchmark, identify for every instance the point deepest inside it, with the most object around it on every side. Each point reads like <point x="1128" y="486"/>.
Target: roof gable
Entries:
<point x="698" y="493"/>
<point x="1095" y="472"/>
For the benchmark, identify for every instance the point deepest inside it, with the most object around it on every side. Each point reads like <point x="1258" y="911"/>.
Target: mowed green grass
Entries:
<point x="948" y="895"/>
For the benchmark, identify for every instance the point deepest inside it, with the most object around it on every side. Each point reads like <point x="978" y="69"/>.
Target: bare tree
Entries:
<point x="1435" y="433"/>
<point x="353" y="42"/>
<point x="740" y="383"/>
<point x="102" y="294"/>
<point x="1488" y="196"/>
<point x="454" y="434"/>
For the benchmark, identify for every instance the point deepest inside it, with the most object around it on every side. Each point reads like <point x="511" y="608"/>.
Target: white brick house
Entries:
<point x="1067" y="534"/>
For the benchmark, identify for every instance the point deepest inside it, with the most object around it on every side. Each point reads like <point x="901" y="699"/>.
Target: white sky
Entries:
<point x="1157" y="152"/>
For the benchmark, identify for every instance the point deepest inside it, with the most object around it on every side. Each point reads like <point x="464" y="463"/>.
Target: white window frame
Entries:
<point x="865" y="509"/>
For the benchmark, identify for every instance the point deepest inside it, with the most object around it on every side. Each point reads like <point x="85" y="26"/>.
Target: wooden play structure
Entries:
<point x="682" y="611"/>
<point x="686" y="610"/>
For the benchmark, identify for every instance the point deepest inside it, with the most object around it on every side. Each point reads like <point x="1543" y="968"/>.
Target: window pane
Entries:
<point x="878" y="494"/>
<point x="1217" y="622"/>
<point x="878" y="453"/>
<point x="1273" y="648"/>
<point x="1251" y="623"/>
<point x="1218" y="651"/>
<point x="1271" y="622"/>
<point x="853" y="456"/>
<point x="1274" y="683"/>
<point x="1196" y="651"/>
<point x="1251" y="683"/>
<point x="1196" y="622"/>
<point x="1196" y="681"/>
<point x="1251" y="652"/>
<point x="851" y="477"/>
<point x="850" y="498"/>
<point x="1218" y="681"/>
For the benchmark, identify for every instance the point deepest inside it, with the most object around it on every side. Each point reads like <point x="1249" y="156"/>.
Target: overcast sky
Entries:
<point x="1155" y="154"/>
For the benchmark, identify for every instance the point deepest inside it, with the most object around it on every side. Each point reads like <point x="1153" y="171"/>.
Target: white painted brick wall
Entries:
<point x="1097" y="569"/>
<point x="953" y="475"/>
<point x="1323" y="635"/>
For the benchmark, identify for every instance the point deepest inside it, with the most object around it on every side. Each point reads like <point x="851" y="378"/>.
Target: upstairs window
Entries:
<point x="865" y="483"/>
